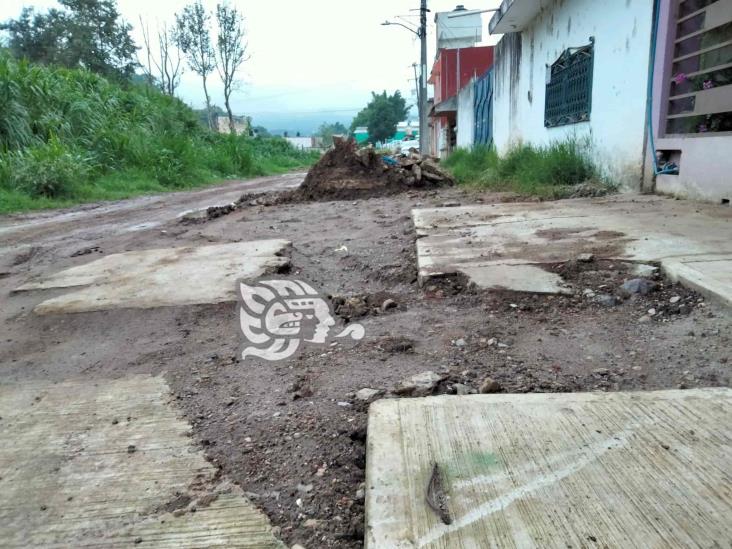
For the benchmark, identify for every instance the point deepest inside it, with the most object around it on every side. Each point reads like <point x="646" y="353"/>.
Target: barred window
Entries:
<point x="569" y="88"/>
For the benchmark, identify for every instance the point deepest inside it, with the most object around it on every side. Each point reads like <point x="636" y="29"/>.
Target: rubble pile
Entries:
<point x="346" y="172"/>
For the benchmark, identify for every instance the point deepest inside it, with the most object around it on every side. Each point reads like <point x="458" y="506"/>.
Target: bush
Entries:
<point x="70" y="133"/>
<point x="50" y="170"/>
<point x="553" y="171"/>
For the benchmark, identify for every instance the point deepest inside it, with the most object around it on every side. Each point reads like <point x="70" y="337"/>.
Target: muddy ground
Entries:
<point x="292" y="433"/>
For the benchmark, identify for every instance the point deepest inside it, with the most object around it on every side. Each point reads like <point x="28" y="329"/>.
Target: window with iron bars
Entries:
<point x="569" y="90"/>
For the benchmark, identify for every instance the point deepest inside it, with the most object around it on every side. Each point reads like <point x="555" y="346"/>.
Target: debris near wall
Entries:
<point x="346" y="172"/>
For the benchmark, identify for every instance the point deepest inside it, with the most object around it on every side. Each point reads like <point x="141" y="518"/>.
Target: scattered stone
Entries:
<point x="86" y="251"/>
<point x="396" y="344"/>
<point x="421" y="384"/>
<point x="304" y="488"/>
<point x="367" y="395"/>
<point x="489" y="385"/>
<point x="297" y="546"/>
<point x="462" y="389"/>
<point x="388" y="304"/>
<point x="311" y="523"/>
<point x="641" y="286"/>
<point x="492" y="342"/>
<point x="588" y="293"/>
<point x="131" y="449"/>
<point x="644" y="319"/>
<point x="606" y="300"/>
<point x="674" y="299"/>
<point x="344" y="404"/>
<point x="651" y="312"/>
<point x="361" y="492"/>
<point x="459" y="342"/>
<point x="586" y="258"/>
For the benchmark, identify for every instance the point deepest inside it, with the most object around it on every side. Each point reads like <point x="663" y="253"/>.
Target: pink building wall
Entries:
<point x="705" y="162"/>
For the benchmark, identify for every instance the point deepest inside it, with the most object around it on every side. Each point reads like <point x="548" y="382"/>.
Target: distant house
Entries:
<point x="407" y="130"/>
<point x="578" y="69"/>
<point x="457" y="63"/>
<point x="241" y="124"/>
<point x="304" y="143"/>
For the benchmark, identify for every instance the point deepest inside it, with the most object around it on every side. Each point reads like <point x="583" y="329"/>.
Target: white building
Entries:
<point x="575" y="68"/>
<point x="463" y="31"/>
<point x="302" y="143"/>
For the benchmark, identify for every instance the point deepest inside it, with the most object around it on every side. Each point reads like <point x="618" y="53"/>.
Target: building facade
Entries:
<point x="566" y="69"/>
<point x="692" y="99"/>
<point x="570" y="69"/>
<point x="453" y="70"/>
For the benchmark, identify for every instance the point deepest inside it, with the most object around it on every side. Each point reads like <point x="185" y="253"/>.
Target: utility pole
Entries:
<point x="422" y="96"/>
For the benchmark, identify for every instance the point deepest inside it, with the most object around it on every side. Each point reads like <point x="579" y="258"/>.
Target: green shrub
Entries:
<point x="553" y="171"/>
<point x="71" y="133"/>
<point x="50" y="170"/>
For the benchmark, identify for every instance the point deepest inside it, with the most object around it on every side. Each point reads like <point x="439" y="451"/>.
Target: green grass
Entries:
<point x="70" y="136"/>
<point x="559" y="170"/>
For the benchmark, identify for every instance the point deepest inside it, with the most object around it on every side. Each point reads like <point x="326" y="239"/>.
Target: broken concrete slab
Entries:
<point x="161" y="277"/>
<point x="109" y="463"/>
<point x="494" y="243"/>
<point x="552" y="470"/>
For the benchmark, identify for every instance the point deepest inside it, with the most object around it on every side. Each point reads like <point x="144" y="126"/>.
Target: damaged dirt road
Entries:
<point x="291" y="434"/>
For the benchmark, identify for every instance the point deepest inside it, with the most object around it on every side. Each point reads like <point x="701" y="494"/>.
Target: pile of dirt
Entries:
<point x="346" y="172"/>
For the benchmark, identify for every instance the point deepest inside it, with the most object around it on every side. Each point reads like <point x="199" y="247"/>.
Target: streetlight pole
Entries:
<point x="423" y="78"/>
<point x="421" y="33"/>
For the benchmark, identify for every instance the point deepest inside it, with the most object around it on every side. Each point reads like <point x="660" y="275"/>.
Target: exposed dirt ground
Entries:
<point x="292" y="433"/>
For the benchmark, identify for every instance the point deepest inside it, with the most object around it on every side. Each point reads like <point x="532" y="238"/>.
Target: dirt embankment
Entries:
<point x="346" y="172"/>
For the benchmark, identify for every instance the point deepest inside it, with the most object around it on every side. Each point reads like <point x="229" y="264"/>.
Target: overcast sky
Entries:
<point x="316" y="59"/>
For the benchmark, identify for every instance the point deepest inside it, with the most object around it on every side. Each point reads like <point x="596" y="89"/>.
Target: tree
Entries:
<point x="230" y="51"/>
<point x="327" y="131"/>
<point x="84" y="33"/>
<point x="261" y="131"/>
<point x="168" y="60"/>
<point x="193" y="36"/>
<point x="382" y="115"/>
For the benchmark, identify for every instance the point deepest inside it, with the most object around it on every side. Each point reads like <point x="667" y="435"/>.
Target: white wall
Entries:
<point x="301" y="142"/>
<point x="458" y="32"/>
<point x="706" y="168"/>
<point x="466" y="116"/>
<point x="622" y="31"/>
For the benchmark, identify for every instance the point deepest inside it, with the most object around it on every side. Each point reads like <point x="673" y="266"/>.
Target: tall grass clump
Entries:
<point x="69" y="135"/>
<point x="561" y="169"/>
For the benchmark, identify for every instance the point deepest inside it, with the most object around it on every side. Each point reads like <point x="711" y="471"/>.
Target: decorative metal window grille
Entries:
<point x="569" y="90"/>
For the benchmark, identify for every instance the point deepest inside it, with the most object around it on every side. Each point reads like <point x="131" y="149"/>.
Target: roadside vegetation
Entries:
<point x="560" y="170"/>
<point x="70" y="136"/>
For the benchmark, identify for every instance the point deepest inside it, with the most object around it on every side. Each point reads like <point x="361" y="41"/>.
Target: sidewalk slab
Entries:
<point x="108" y="463"/>
<point x="647" y="469"/>
<point x="160" y="277"/>
<point x="492" y="243"/>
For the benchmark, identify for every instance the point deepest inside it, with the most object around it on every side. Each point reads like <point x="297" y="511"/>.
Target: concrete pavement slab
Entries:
<point x="493" y="243"/>
<point x="551" y="470"/>
<point x="108" y="463"/>
<point x="161" y="277"/>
